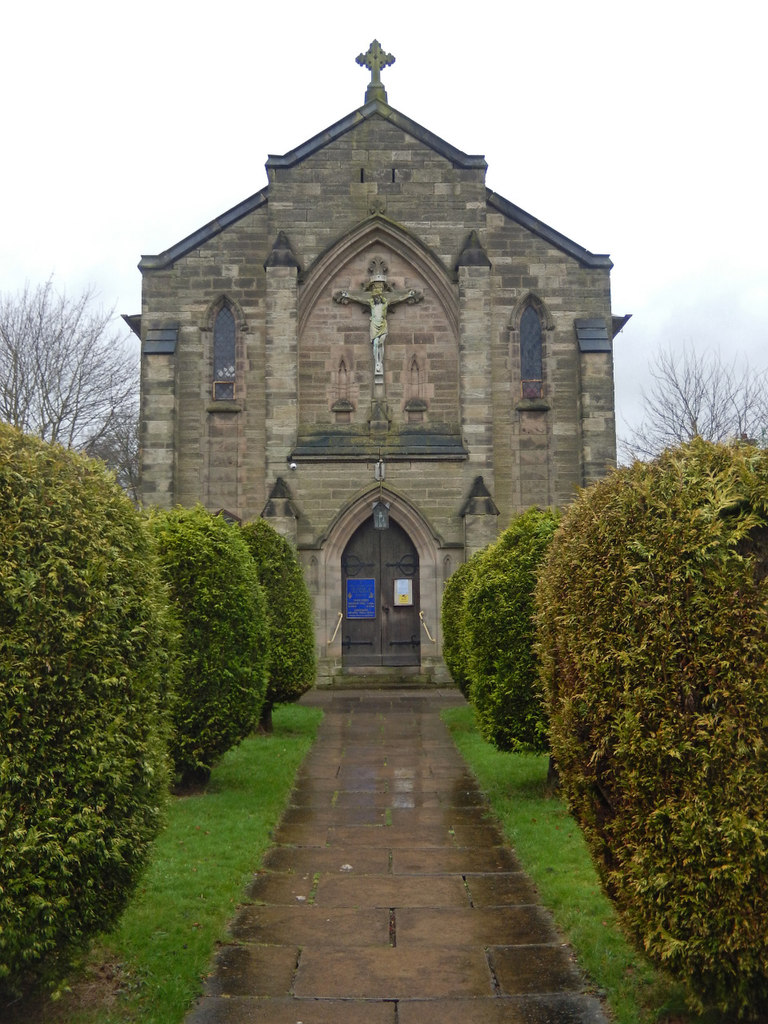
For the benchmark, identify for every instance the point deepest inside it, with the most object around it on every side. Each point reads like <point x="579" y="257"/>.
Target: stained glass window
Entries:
<point x="224" y="355"/>
<point x="530" y="353"/>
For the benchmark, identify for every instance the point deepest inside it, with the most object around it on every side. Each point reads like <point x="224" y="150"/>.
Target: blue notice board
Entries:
<point x="361" y="599"/>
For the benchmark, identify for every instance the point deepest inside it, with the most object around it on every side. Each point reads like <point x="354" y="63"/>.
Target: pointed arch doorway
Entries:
<point x="380" y="584"/>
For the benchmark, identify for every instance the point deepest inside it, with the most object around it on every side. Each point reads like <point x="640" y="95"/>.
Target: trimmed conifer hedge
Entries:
<point x="455" y="654"/>
<point x="224" y="638"/>
<point x="292" y="659"/>
<point x="652" y="611"/>
<point x="83" y="661"/>
<point x="499" y="635"/>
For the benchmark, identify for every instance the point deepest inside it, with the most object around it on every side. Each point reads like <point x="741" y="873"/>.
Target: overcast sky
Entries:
<point x="637" y="130"/>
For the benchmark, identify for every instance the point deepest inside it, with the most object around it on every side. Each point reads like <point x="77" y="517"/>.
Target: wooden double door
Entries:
<point x="380" y="587"/>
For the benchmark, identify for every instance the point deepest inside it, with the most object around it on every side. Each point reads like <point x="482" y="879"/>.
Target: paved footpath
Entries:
<point x="389" y="897"/>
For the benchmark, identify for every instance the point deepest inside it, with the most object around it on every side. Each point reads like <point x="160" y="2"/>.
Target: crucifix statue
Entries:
<point x="375" y="59"/>
<point x="378" y="297"/>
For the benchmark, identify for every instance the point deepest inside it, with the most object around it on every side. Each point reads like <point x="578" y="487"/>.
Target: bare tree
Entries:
<point x="699" y="395"/>
<point x="65" y="373"/>
<point x="118" y="446"/>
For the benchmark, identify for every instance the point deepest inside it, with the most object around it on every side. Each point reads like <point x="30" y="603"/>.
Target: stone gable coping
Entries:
<point x="548" y="234"/>
<point x="376" y="108"/>
<point x="205" y="233"/>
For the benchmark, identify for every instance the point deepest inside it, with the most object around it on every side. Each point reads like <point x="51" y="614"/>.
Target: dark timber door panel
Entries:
<point x="380" y="584"/>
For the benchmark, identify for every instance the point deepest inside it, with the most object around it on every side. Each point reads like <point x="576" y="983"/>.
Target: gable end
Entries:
<point x="548" y="234"/>
<point x="205" y="233"/>
<point x="376" y="108"/>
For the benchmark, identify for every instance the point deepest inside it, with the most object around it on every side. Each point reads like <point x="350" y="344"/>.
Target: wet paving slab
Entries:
<point x="399" y="891"/>
<point x="389" y="895"/>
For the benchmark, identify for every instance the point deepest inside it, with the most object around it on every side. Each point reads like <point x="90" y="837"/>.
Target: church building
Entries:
<point x="387" y="361"/>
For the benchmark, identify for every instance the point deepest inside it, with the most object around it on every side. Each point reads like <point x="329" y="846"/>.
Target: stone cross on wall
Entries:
<point x="375" y="59"/>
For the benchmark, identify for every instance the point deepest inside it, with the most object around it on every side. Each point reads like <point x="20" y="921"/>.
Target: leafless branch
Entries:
<point x="699" y="395"/>
<point x="65" y="373"/>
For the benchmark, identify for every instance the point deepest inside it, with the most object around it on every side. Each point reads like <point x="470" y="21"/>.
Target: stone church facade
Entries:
<point x="386" y="360"/>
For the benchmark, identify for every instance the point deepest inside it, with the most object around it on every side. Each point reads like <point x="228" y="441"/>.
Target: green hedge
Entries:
<point x="652" y="607"/>
<point x="224" y="641"/>
<point x="83" y="770"/>
<point x="455" y="653"/>
<point x="499" y="635"/>
<point x="292" y="659"/>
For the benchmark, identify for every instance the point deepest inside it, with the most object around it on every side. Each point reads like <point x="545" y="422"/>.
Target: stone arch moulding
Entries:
<point x="373" y="231"/>
<point x="531" y="400"/>
<point x="217" y="304"/>
<point x="531" y="299"/>
<point x="206" y="334"/>
<point x="426" y="541"/>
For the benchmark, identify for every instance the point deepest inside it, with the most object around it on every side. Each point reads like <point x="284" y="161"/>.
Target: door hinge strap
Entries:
<point x="413" y="642"/>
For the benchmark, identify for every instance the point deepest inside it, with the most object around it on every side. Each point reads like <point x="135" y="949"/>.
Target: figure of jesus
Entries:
<point x="378" y="302"/>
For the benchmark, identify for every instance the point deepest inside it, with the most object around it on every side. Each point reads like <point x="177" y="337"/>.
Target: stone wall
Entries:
<point x="381" y="187"/>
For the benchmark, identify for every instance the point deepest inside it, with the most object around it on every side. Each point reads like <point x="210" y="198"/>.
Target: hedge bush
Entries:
<point x="292" y="659"/>
<point x="652" y="608"/>
<point x="224" y="641"/>
<point x="83" y="768"/>
<point x="499" y="635"/>
<point x="455" y="654"/>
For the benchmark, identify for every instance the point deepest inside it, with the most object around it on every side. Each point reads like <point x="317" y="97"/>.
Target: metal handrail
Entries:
<point x="338" y="623"/>
<point x="426" y="628"/>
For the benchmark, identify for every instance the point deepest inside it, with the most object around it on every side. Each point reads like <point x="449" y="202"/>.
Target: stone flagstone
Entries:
<point x="390" y="897"/>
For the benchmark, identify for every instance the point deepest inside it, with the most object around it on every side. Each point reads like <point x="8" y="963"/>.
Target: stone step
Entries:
<point x="384" y="680"/>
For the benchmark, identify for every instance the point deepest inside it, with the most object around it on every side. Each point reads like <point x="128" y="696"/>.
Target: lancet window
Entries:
<point x="224" y="343"/>
<point x="531" y="359"/>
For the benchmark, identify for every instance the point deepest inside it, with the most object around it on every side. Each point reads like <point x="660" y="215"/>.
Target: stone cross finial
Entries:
<point x="375" y="59"/>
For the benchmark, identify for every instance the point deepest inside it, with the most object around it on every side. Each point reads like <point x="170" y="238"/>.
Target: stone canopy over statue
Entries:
<point x="378" y="296"/>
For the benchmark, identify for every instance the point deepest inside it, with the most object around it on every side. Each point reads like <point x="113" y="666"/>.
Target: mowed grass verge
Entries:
<point x="201" y="863"/>
<point x="552" y="851"/>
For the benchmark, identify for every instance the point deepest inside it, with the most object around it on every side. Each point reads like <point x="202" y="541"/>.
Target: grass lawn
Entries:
<point x="552" y="851"/>
<point x="149" y="968"/>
